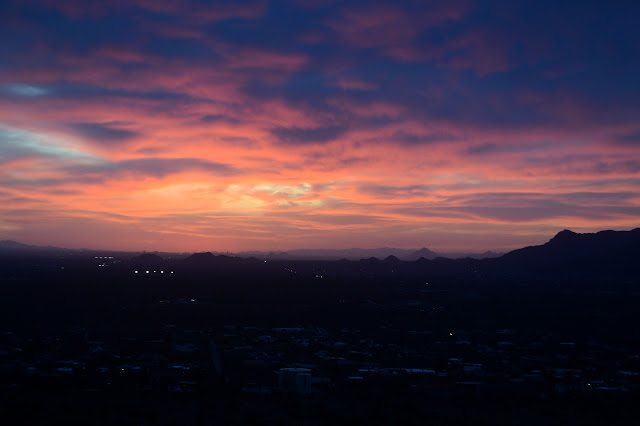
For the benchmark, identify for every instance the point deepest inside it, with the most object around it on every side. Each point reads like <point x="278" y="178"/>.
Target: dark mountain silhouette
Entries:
<point x="598" y="255"/>
<point x="359" y="253"/>
<point x="221" y="260"/>
<point x="13" y="245"/>
<point x="601" y="256"/>
<point x="570" y="246"/>
<point x="148" y="259"/>
<point x="10" y="245"/>
<point x="487" y="254"/>
<point x="200" y="257"/>
<point x="16" y="249"/>
<point x="423" y="252"/>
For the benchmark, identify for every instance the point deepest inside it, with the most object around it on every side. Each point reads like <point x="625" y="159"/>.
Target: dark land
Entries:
<point x="541" y="335"/>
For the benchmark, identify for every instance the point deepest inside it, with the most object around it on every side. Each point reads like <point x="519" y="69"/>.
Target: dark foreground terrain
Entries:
<point x="102" y="338"/>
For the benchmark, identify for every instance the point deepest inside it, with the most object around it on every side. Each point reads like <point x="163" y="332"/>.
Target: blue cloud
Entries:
<point x="25" y="90"/>
<point x="299" y="135"/>
<point x="103" y="132"/>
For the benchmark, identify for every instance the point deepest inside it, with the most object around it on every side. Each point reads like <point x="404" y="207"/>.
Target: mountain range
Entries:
<point x="604" y="256"/>
<point x="567" y="247"/>
<point x="359" y="253"/>
<point x="8" y="246"/>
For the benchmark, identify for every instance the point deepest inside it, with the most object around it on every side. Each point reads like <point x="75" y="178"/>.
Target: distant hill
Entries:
<point x="571" y="246"/>
<point x="148" y="259"/>
<point x="601" y="254"/>
<point x="200" y="257"/>
<point x="423" y="252"/>
<point x="210" y="259"/>
<point x="9" y="245"/>
<point x="391" y="259"/>
<point x="485" y="255"/>
<point x="16" y="249"/>
<point x="359" y="253"/>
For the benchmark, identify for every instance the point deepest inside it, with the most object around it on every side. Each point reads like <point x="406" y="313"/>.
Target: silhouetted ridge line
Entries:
<point x="200" y="257"/>
<point x="149" y="258"/>
<point x="564" y="236"/>
<point x="570" y="245"/>
<point x="570" y="255"/>
<point x="422" y="253"/>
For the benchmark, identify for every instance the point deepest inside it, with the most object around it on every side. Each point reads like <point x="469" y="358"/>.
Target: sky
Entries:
<point x="187" y="125"/>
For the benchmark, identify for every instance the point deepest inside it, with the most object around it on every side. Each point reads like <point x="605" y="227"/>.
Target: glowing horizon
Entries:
<point x="277" y="125"/>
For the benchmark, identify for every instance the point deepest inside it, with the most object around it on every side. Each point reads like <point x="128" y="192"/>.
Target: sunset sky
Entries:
<point x="272" y="125"/>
